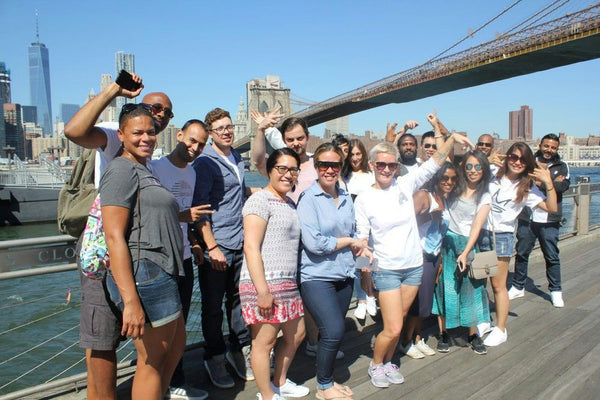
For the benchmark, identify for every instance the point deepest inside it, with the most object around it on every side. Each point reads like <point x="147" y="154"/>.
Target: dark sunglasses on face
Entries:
<point x="429" y="145"/>
<point x="380" y="165"/>
<point x="446" y="178"/>
<point x="282" y="169"/>
<point x="471" y="166"/>
<point x="513" y="158"/>
<point x="157" y="108"/>
<point x="484" y="144"/>
<point x="325" y="165"/>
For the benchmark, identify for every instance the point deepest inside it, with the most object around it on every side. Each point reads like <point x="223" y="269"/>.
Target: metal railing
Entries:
<point x="33" y="343"/>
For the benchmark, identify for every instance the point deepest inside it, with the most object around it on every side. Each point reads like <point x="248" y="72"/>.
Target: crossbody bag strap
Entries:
<point x="493" y="228"/>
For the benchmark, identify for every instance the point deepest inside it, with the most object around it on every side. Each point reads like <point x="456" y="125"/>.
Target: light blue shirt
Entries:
<point x="321" y="224"/>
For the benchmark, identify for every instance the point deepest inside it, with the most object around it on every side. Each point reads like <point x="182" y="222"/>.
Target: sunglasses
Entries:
<point x="446" y="178"/>
<point x="380" y="165"/>
<point x="282" y="169"/>
<point x="157" y="108"/>
<point x="484" y="144"/>
<point x="513" y="158"/>
<point x="429" y="146"/>
<point x="470" y="166"/>
<point x="325" y="165"/>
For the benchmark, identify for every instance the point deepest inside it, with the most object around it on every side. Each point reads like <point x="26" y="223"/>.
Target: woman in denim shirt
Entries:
<point x="326" y="216"/>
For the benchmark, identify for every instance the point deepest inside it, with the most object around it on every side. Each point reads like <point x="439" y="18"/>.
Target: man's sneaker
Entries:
<point x="371" y="306"/>
<point x="496" y="337"/>
<point x="557" y="300"/>
<point x="477" y="344"/>
<point x="392" y="373"/>
<point x="290" y="389"/>
<point x="311" y="351"/>
<point x="218" y="373"/>
<point x="378" y="377"/>
<point x="443" y="345"/>
<point x="240" y="361"/>
<point x="275" y="397"/>
<point x="514" y="293"/>
<point x="182" y="393"/>
<point x="424" y="348"/>
<point x="412" y="351"/>
<point x="484" y="328"/>
<point x="361" y="311"/>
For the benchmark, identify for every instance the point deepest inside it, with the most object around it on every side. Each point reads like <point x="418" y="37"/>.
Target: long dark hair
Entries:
<point x="432" y="186"/>
<point x="364" y="164"/>
<point x="482" y="185"/>
<point x="525" y="182"/>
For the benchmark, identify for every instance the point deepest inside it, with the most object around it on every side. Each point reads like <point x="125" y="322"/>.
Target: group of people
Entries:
<point x="288" y="257"/>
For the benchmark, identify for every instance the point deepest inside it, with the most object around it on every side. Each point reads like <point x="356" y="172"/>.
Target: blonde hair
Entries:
<point x="387" y="148"/>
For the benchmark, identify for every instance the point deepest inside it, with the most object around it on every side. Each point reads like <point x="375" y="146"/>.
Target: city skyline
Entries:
<point x="205" y="65"/>
<point x="40" y="92"/>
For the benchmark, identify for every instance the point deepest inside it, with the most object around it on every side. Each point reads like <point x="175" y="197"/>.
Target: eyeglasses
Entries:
<point x="380" y="165"/>
<point x="325" y="165"/>
<point x="429" y="145"/>
<point x="513" y="158"/>
<point x="282" y="169"/>
<point x="221" y="129"/>
<point x="470" y="166"/>
<point x="446" y="178"/>
<point x="484" y="144"/>
<point x="157" y="108"/>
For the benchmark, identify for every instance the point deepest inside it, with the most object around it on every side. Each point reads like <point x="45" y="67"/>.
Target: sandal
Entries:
<point x="344" y="389"/>
<point x="344" y="393"/>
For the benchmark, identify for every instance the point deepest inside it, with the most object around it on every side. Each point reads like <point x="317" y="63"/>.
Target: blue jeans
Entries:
<point x="327" y="302"/>
<point x="360" y="294"/>
<point x="213" y="286"/>
<point x="186" y="287"/>
<point x="547" y="234"/>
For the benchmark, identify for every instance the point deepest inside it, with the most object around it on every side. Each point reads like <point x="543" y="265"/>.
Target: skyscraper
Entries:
<point x="124" y="61"/>
<point x="39" y="82"/>
<point x="520" y="124"/>
<point x="110" y="113"/>
<point x="4" y="83"/>
<point x="67" y="111"/>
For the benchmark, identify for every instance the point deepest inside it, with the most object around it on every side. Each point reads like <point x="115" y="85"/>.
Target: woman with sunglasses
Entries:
<point x="144" y="240"/>
<point x="357" y="176"/>
<point x="430" y="206"/>
<point x="386" y="212"/>
<point x="329" y="240"/>
<point x="269" y="293"/>
<point x="459" y="300"/>
<point x="511" y="191"/>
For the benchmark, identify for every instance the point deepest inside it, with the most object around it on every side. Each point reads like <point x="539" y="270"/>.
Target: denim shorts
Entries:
<point x="390" y="279"/>
<point x="157" y="290"/>
<point x="505" y="243"/>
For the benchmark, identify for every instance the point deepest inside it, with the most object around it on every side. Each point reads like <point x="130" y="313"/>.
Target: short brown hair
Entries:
<point x="215" y="115"/>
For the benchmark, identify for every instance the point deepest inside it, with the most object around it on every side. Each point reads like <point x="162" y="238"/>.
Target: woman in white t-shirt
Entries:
<point x="358" y="177"/>
<point x="511" y="191"/>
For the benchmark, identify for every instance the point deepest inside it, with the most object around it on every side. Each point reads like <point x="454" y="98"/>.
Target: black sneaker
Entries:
<point x="477" y="344"/>
<point x="443" y="345"/>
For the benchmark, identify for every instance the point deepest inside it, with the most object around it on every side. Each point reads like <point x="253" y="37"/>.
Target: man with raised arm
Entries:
<point x="99" y="330"/>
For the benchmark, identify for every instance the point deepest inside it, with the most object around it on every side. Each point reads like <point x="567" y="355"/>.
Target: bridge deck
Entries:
<point x="551" y="353"/>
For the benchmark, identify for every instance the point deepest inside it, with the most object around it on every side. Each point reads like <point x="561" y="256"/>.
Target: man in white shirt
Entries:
<point x="99" y="326"/>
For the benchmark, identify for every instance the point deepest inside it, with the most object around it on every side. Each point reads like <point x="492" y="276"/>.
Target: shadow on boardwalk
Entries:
<point x="550" y="354"/>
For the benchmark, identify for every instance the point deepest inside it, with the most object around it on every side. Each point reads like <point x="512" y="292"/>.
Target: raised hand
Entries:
<point x="131" y="94"/>
<point x="460" y="139"/>
<point x="496" y="158"/>
<point x="268" y="119"/>
<point x="193" y="214"/>
<point x="410" y="124"/>
<point x="542" y="175"/>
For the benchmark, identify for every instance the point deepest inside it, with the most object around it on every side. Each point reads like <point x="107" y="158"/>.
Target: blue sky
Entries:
<point x="202" y="53"/>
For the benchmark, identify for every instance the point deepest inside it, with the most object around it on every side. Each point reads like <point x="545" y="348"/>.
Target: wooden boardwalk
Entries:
<point x="550" y="354"/>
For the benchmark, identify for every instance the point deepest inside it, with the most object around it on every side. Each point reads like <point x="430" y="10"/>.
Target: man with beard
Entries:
<point x="542" y="226"/>
<point x="176" y="174"/>
<point x="485" y="143"/>
<point x="99" y="331"/>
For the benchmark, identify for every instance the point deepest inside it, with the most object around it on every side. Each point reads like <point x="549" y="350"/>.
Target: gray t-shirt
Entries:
<point x="161" y="239"/>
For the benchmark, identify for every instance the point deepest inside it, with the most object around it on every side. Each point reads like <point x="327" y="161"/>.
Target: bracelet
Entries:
<point x="214" y="247"/>
<point x="549" y="190"/>
<point x="438" y="136"/>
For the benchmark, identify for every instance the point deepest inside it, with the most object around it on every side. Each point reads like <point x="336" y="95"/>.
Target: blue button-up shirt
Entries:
<point x="321" y="224"/>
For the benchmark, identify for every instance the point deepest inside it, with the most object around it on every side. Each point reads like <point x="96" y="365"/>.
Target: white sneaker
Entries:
<point x="411" y="351"/>
<point x="311" y="351"/>
<point x="275" y="397"/>
<point x="182" y="393"/>
<point x="496" y="337"/>
<point x="557" y="300"/>
<point x="371" y="306"/>
<point x="290" y="389"/>
<point x="514" y="293"/>
<point x="361" y="311"/>
<point x="424" y="348"/>
<point x="484" y="328"/>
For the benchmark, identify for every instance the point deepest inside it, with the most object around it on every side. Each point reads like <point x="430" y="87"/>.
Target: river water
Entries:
<point x="45" y="299"/>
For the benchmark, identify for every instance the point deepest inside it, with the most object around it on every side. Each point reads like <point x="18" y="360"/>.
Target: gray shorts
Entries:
<point x="99" y="326"/>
